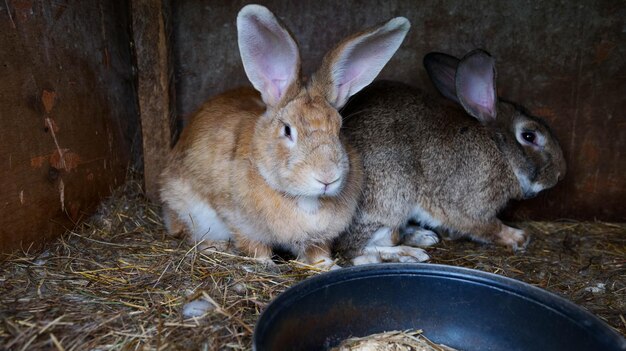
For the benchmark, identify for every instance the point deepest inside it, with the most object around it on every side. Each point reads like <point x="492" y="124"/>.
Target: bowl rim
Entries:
<point x="547" y="299"/>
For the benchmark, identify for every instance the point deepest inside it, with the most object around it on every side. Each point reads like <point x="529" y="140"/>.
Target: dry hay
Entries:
<point x="392" y="341"/>
<point x="118" y="283"/>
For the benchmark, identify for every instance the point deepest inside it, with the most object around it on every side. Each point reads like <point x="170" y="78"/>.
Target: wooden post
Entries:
<point x="153" y="89"/>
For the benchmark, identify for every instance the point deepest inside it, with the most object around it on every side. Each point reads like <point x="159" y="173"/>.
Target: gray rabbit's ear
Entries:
<point x="441" y="69"/>
<point x="476" y="85"/>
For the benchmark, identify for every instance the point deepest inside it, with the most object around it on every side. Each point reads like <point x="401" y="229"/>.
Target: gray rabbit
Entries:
<point x="427" y="160"/>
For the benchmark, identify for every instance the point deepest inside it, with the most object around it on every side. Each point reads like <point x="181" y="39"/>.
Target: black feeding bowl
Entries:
<point x="463" y="308"/>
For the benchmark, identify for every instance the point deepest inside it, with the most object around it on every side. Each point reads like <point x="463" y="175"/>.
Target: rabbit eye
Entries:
<point x="529" y="137"/>
<point x="287" y="131"/>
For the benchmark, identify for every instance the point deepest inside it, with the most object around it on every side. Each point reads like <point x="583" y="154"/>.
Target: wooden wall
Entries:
<point x="68" y="113"/>
<point x="564" y="60"/>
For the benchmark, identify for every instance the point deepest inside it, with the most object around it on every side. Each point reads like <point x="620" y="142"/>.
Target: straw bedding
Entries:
<point x="117" y="282"/>
<point x="406" y="340"/>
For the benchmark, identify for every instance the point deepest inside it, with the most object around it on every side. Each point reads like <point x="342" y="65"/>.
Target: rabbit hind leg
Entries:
<point x="494" y="231"/>
<point x="383" y="247"/>
<point x="417" y="236"/>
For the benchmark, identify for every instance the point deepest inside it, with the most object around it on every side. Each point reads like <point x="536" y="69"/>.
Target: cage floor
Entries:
<point x="116" y="282"/>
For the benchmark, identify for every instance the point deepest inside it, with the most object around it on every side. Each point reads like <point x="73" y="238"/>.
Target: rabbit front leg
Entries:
<point x="319" y="255"/>
<point x="251" y="248"/>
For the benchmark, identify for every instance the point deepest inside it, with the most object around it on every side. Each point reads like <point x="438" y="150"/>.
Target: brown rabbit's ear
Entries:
<point x="356" y="61"/>
<point x="476" y="85"/>
<point x="270" y="56"/>
<point x="441" y="69"/>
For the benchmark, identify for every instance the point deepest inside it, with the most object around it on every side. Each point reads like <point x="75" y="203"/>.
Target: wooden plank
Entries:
<point x="153" y="89"/>
<point x="68" y="114"/>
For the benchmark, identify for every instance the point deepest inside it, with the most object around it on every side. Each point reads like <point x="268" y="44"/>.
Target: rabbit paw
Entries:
<point x="318" y="256"/>
<point x="366" y="259"/>
<point x="419" y="237"/>
<point x="516" y="239"/>
<point x="402" y="253"/>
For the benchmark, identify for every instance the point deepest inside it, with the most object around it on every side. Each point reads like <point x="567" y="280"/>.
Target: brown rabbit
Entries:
<point x="428" y="161"/>
<point x="273" y="169"/>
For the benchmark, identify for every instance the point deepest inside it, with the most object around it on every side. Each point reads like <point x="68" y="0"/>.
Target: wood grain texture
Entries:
<point x="564" y="60"/>
<point x="67" y="110"/>
<point x="153" y="88"/>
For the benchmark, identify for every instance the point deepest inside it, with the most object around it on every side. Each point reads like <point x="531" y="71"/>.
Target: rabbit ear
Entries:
<point x="357" y="60"/>
<point x="270" y="55"/>
<point x="476" y="85"/>
<point x="441" y="69"/>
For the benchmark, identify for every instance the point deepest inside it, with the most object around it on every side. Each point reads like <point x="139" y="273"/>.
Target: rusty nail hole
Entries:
<point x="53" y="173"/>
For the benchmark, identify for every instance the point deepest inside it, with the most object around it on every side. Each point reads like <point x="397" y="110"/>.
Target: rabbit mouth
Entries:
<point x="532" y="190"/>
<point x="529" y="187"/>
<point x="317" y="189"/>
<point x="331" y="188"/>
<point x="529" y="194"/>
